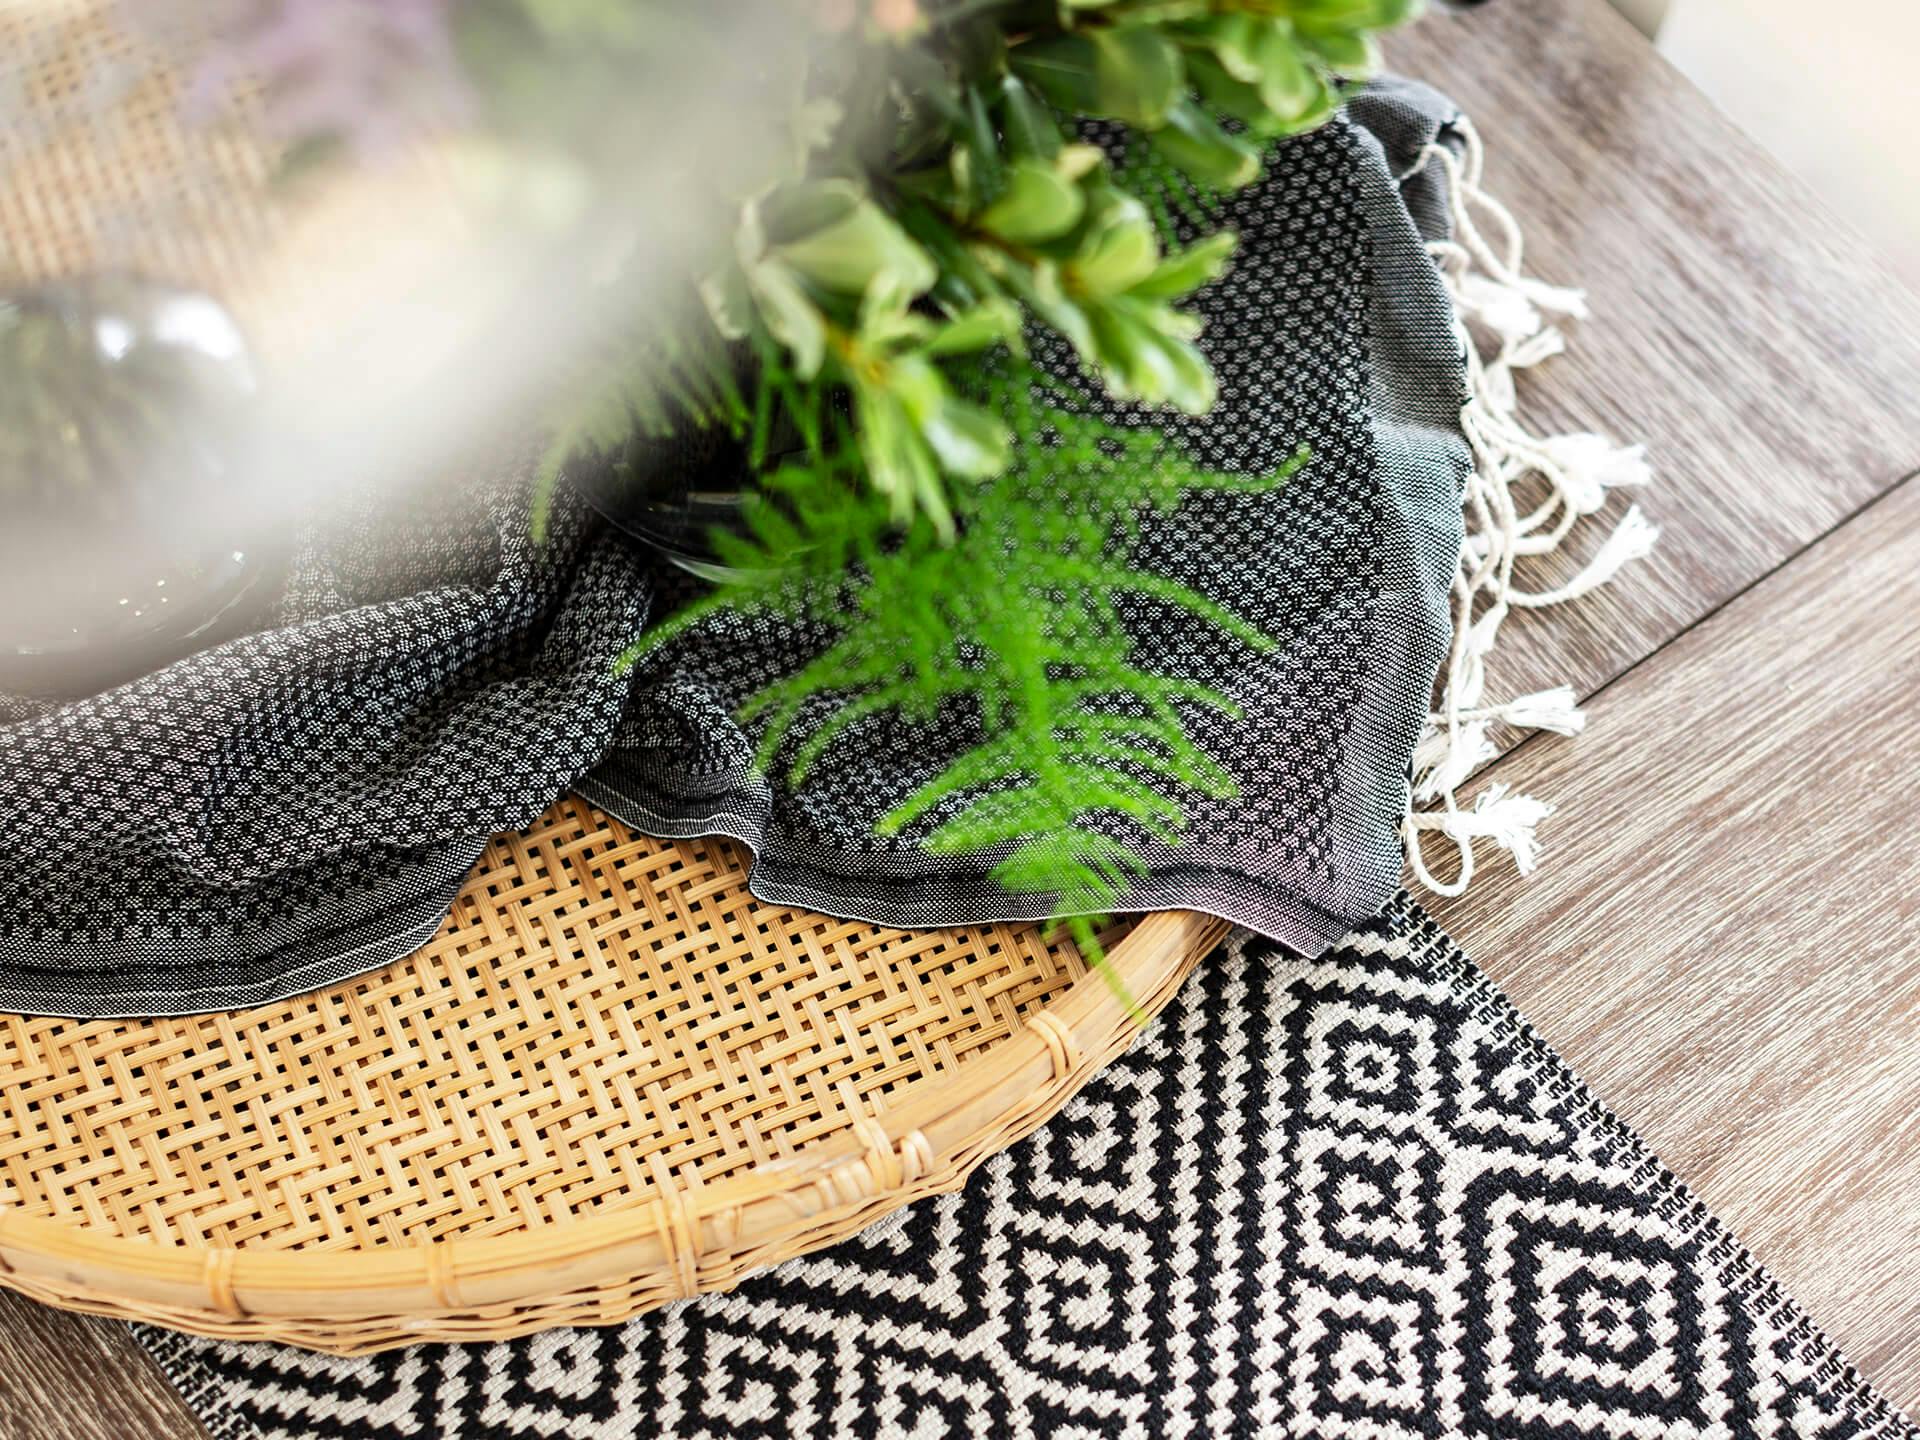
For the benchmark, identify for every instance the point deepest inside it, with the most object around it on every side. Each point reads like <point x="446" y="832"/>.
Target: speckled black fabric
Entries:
<point x="1331" y="330"/>
<point x="300" y="806"/>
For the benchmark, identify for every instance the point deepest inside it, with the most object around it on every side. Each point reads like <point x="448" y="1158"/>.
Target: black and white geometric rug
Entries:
<point x="1347" y="1197"/>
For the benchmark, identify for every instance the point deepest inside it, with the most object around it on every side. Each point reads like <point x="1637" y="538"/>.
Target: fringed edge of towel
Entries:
<point x="1480" y="265"/>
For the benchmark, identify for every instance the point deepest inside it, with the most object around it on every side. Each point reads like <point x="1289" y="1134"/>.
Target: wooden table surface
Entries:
<point x="1724" y="937"/>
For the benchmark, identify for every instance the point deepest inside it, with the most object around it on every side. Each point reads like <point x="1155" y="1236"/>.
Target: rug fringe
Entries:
<point x="1514" y="315"/>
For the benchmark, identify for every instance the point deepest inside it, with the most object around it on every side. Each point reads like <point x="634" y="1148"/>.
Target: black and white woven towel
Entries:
<point x="301" y="805"/>
<point x="1347" y="1198"/>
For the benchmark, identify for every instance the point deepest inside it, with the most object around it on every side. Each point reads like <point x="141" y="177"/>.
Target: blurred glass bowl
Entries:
<point x="672" y="494"/>
<point x="121" y="542"/>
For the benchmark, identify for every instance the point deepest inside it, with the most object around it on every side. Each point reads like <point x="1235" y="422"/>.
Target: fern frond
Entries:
<point x="1085" y="753"/>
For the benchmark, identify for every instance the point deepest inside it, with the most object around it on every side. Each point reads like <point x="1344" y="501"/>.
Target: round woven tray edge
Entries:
<point x="605" y="1269"/>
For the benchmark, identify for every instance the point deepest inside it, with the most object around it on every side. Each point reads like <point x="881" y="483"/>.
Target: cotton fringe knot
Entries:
<point x="1503" y="319"/>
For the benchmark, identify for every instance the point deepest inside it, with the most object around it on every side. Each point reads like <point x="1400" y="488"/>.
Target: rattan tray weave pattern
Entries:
<point x="615" y="1078"/>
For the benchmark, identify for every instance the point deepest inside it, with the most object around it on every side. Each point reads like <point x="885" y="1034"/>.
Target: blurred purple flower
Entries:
<point x="369" y="73"/>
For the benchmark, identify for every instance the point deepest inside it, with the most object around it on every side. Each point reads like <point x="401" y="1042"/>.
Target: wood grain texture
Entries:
<point x="1768" y="360"/>
<point x="1724" y="938"/>
<point x="74" y="1377"/>
<point x="1734" y="966"/>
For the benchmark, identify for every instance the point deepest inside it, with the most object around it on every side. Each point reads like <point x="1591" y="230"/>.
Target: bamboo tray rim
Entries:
<point x="925" y="1138"/>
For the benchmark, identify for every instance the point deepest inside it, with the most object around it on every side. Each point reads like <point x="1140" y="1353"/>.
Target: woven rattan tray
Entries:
<point x="614" y="1079"/>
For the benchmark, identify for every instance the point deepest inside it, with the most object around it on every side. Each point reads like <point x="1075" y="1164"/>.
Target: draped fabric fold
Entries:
<point x="301" y="805"/>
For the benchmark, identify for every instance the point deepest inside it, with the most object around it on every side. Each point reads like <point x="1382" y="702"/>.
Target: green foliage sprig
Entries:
<point x="961" y="527"/>
<point x="1084" y="754"/>
<point x="937" y="205"/>
<point x="965" y="532"/>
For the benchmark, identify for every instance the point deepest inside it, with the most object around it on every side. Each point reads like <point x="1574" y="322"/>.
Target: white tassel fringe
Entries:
<point x="1481" y="268"/>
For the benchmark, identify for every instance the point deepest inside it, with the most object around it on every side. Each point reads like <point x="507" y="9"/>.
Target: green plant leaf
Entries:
<point x="1060" y="67"/>
<point x="968" y="440"/>
<point x="847" y="254"/>
<point x="790" y="316"/>
<point x="989" y="323"/>
<point x="1037" y="205"/>
<point x="1192" y="140"/>
<point x="1118" y="249"/>
<point x="1032" y="129"/>
<point x="1351" y="53"/>
<point x="1185" y="271"/>
<point x="1288" y="85"/>
<point x="1137" y="74"/>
